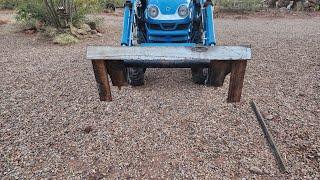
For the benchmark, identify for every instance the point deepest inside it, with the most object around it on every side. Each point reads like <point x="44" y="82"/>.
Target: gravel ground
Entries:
<point x="53" y="125"/>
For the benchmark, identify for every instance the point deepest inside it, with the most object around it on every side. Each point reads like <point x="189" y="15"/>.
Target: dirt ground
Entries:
<point x="52" y="124"/>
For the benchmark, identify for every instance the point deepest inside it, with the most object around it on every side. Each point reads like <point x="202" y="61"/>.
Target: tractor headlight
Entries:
<point x="183" y="11"/>
<point x="153" y="11"/>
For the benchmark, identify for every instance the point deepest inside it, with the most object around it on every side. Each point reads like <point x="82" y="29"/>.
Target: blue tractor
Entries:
<point x="169" y="34"/>
<point x="168" y="23"/>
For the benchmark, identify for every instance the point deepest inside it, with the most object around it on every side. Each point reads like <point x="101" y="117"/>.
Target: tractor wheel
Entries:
<point x="136" y="76"/>
<point x="199" y="75"/>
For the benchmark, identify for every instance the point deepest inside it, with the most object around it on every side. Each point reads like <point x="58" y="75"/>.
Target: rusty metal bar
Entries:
<point x="269" y="138"/>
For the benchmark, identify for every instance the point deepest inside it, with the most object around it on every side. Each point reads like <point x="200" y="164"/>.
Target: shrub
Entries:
<point x="245" y="5"/>
<point x="51" y="12"/>
<point x="65" y="39"/>
<point x="31" y="10"/>
<point x="95" y="22"/>
<point x="8" y="4"/>
<point x="50" y="32"/>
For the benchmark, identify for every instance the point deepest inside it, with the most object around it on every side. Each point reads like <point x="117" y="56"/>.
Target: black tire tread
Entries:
<point x="136" y="76"/>
<point x="198" y="77"/>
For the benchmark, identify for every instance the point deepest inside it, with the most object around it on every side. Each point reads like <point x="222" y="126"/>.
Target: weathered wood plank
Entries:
<point x="238" y="69"/>
<point x="101" y="75"/>
<point x="222" y="53"/>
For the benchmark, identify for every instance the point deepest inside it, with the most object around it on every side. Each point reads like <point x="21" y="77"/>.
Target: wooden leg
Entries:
<point x="117" y="73"/>
<point x="217" y="73"/>
<point x="238" y="69"/>
<point x="101" y="74"/>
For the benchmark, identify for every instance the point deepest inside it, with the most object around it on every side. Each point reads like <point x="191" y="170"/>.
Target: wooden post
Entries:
<point x="217" y="73"/>
<point x="101" y="75"/>
<point x="238" y="69"/>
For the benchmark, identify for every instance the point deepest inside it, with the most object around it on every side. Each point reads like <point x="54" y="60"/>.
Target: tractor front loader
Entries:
<point x="169" y="34"/>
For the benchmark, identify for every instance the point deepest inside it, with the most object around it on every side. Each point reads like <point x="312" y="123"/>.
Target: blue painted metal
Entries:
<point x="168" y="7"/>
<point x="128" y="20"/>
<point x="168" y="44"/>
<point x="169" y="26"/>
<point x="168" y="33"/>
<point x="210" y="38"/>
<point x="173" y="29"/>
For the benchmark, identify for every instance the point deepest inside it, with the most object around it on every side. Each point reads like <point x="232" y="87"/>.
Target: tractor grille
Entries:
<point x="182" y="26"/>
<point x="168" y="32"/>
<point x="168" y="26"/>
<point x="154" y="26"/>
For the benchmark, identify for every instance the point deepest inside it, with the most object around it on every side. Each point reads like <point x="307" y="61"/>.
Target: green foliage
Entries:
<point x="8" y="4"/>
<point x="31" y="10"/>
<point x="79" y="17"/>
<point x="89" y="6"/>
<point x="65" y="39"/>
<point x="118" y="3"/>
<point x="95" y="22"/>
<point x="244" y="5"/>
<point x="317" y="8"/>
<point x="50" y="32"/>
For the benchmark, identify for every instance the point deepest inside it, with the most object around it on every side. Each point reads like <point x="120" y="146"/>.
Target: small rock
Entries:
<point x="92" y="25"/>
<point x="94" y="32"/>
<point x="88" y="129"/>
<point x="100" y="30"/>
<point x="256" y="170"/>
<point x="32" y="31"/>
<point x="39" y="24"/>
<point x="82" y="32"/>
<point x="269" y="117"/>
<point x="283" y="9"/>
<point x="85" y="27"/>
<point x="99" y="34"/>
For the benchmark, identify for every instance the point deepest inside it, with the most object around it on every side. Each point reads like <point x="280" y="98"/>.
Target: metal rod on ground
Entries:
<point x="269" y="137"/>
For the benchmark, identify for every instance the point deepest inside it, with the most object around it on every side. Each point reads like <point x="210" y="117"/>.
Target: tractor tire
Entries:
<point x="136" y="76"/>
<point x="198" y="75"/>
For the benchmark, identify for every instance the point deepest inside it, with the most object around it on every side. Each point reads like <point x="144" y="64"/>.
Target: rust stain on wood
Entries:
<point x="101" y="75"/>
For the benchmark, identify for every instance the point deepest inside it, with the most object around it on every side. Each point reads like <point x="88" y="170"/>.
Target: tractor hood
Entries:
<point x="168" y="7"/>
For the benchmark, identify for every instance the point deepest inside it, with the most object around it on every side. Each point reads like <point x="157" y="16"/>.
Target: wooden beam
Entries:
<point x="116" y="71"/>
<point x="101" y="75"/>
<point x="217" y="73"/>
<point x="169" y="53"/>
<point x="238" y="69"/>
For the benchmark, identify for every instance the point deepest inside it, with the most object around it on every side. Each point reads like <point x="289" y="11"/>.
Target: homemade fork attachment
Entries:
<point x="112" y="62"/>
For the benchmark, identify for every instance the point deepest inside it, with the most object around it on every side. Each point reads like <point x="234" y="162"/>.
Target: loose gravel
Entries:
<point x="52" y="124"/>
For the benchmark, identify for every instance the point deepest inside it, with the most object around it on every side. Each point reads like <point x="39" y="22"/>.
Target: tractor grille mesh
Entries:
<point x="168" y="26"/>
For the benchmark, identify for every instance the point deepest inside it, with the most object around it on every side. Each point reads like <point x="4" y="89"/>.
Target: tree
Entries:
<point x="60" y="12"/>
